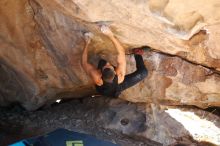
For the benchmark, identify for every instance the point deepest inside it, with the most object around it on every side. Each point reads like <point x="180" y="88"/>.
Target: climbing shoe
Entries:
<point x="141" y="50"/>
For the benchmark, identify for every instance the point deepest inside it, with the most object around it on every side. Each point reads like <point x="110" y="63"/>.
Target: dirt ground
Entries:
<point x="77" y="115"/>
<point x="88" y="115"/>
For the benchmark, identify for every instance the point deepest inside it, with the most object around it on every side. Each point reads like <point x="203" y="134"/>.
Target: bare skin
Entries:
<point x="89" y="68"/>
<point x="96" y="74"/>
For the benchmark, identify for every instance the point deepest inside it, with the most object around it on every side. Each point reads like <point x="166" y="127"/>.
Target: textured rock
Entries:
<point x="42" y="65"/>
<point x="144" y="125"/>
<point x="41" y="46"/>
<point x="174" y="81"/>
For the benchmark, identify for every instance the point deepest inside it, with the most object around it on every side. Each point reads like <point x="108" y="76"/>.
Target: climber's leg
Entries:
<point x="135" y="77"/>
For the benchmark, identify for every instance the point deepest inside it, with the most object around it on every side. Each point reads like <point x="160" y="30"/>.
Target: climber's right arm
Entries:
<point x="121" y="61"/>
<point x="89" y="68"/>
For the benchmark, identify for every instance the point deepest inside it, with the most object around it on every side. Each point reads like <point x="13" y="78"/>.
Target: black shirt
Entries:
<point x="107" y="89"/>
<point x="114" y="89"/>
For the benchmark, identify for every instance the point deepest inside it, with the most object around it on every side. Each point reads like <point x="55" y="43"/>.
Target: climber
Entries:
<point x="110" y="80"/>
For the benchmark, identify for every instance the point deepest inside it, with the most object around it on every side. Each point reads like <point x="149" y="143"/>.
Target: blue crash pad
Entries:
<point x="63" y="137"/>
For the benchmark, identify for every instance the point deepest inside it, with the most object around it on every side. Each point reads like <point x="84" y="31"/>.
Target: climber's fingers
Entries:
<point x="106" y="30"/>
<point x="88" y="36"/>
<point x="106" y="23"/>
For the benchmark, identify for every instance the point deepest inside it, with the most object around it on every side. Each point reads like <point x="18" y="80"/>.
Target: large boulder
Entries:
<point x="41" y="45"/>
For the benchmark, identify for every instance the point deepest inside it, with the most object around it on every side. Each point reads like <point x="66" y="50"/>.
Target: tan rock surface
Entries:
<point x="174" y="81"/>
<point x="41" y="46"/>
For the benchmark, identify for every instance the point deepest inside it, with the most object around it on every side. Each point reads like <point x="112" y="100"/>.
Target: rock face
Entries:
<point x="41" y="45"/>
<point x="174" y="81"/>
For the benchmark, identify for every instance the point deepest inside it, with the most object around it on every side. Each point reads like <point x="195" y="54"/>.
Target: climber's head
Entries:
<point x="108" y="73"/>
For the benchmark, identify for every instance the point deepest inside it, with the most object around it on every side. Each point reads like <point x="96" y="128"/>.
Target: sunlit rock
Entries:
<point x="41" y="45"/>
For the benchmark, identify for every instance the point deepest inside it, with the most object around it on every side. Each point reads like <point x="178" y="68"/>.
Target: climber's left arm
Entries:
<point x="89" y="68"/>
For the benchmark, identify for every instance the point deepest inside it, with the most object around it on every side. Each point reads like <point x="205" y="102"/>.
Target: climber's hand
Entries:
<point x="106" y="30"/>
<point x="87" y="37"/>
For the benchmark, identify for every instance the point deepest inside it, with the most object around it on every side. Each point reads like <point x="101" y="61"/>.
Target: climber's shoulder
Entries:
<point x="96" y="76"/>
